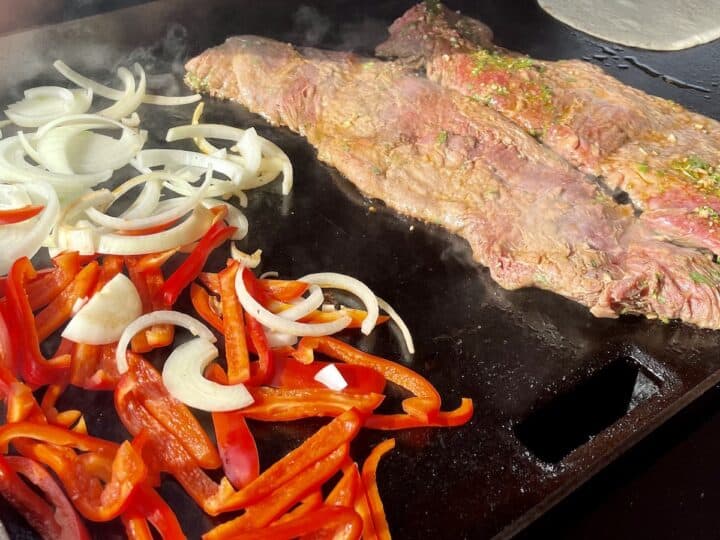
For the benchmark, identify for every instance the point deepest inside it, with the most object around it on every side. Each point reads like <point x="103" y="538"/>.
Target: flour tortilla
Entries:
<point x="661" y="25"/>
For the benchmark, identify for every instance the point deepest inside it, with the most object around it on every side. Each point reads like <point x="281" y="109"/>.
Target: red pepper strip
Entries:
<point x="211" y="281"/>
<point x="85" y="360"/>
<point x="57" y="436"/>
<point x="305" y="506"/>
<point x="24" y="342"/>
<point x="289" y="373"/>
<point x="174" y="416"/>
<point x="369" y="478"/>
<point x="361" y="505"/>
<point x="333" y="521"/>
<point x="426" y="401"/>
<point x="263" y="512"/>
<point x="454" y="418"/>
<point x="22" y="406"/>
<point x="201" y="302"/>
<point x="193" y="265"/>
<point x="237" y="447"/>
<point x="263" y="369"/>
<point x="283" y="290"/>
<point x="341" y="430"/>
<point x="49" y="399"/>
<point x="148" y="284"/>
<point x="145" y="501"/>
<point x="42" y="290"/>
<point x="136" y="526"/>
<point x="16" y="215"/>
<point x="100" y="487"/>
<point x="288" y="404"/>
<point x="29" y="504"/>
<point x="168" y="450"/>
<point x="236" y="350"/>
<point x="346" y="490"/>
<point x="59" y="311"/>
<point x="71" y="526"/>
<point x="155" y="260"/>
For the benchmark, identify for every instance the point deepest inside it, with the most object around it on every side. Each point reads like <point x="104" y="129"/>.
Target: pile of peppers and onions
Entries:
<point x="112" y="310"/>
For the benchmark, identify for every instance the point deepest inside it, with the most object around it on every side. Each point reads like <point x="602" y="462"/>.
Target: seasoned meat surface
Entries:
<point x="432" y="153"/>
<point x="665" y="157"/>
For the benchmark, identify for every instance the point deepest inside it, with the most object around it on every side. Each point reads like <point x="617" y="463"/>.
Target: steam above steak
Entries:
<point x="663" y="156"/>
<point x="432" y="153"/>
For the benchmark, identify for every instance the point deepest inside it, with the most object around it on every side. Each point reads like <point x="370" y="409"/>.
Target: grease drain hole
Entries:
<point x="571" y="419"/>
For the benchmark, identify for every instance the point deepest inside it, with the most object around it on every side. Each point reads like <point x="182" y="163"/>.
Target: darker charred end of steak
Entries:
<point x="430" y="28"/>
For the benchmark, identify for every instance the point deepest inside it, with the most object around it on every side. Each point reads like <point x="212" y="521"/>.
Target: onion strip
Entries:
<point x="279" y="324"/>
<point x="151" y="319"/>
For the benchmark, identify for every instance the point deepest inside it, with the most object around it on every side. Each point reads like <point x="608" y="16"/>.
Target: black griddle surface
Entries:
<point x="514" y="353"/>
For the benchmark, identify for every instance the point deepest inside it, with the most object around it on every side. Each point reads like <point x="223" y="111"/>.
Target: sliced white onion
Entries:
<point x="106" y="315"/>
<point x="277" y="339"/>
<point x="78" y="304"/>
<point x="26" y="238"/>
<point x="13" y="166"/>
<point x="151" y="319"/>
<point x="269" y="274"/>
<point x="268" y="149"/>
<point x="250" y="147"/>
<point x="111" y="93"/>
<point x="183" y="377"/>
<point x="184" y="205"/>
<point x="331" y="377"/>
<point x="146" y="202"/>
<point x="13" y="196"/>
<point x="132" y="98"/>
<point x="246" y="259"/>
<point x="45" y="103"/>
<point x="404" y="330"/>
<point x="351" y="285"/>
<point x="280" y="324"/>
<point x="304" y="306"/>
<point x="174" y="159"/>
<point x="190" y="230"/>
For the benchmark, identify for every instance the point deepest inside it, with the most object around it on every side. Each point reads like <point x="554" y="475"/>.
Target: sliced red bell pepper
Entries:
<point x="22" y="405"/>
<point x="42" y="290"/>
<point x="357" y="316"/>
<point x="59" y="311"/>
<point x="16" y="215"/>
<point x="457" y="417"/>
<point x="145" y="501"/>
<point x="211" y="281"/>
<point x="236" y="444"/>
<point x="339" y="431"/>
<point x="201" y="302"/>
<point x="17" y="312"/>
<point x="369" y="478"/>
<point x="283" y="290"/>
<point x="174" y="415"/>
<point x="288" y="404"/>
<point x="168" y="450"/>
<point x="346" y="489"/>
<point x="284" y="497"/>
<point x="425" y="403"/>
<point x="99" y="486"/>
<point x="332" y="521"/>
<point x="305" y="506"/>
<point x="261" y="370"/>
<point x="56" y="436"/>
<point x="289" y="373"/>
<point x="193" y="265"/>
<point x="155" y="260"/>
<point x="149" y="283"/>
<point x="58" y="521"/>
<point x="236" y="349"/>
<point x="136" y="526"/>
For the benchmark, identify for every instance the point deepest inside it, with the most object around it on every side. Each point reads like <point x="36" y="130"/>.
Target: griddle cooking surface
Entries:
<point x="558" y="393"/>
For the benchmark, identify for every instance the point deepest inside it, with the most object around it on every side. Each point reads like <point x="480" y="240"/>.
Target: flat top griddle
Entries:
<point x="558" y="393"/>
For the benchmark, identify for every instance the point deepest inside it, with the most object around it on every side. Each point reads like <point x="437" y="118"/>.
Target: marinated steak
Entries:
<point x="663" y="156"/>
<point x="431" y="153"/>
